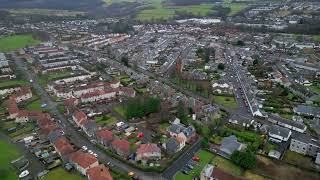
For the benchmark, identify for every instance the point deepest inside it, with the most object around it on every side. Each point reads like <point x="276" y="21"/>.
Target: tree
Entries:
<point x="205" y="142"/>
<point x="181" y="112"/>
<point x="240" y="43"/>
<point x="125" y="61"/>
<point x="221" y="66"/>
<point x="244" y="159"/>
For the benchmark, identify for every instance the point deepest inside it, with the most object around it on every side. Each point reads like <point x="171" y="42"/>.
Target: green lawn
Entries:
<point x="226" y="101"/>
<point x="298" y="159"/>
<point x="165" y="12"/>
<point x="7" y="153"/>
<point x="205" y="158"/>
<point x="10" y="83"/>
<point x="60" y="174"/>
<point x="316" y="89"/>
<point x="44" y="79"/>
<point x="106" y="121"/>
<point x="227" y="166"/>
<point x="34" y="105"/>
<point x="26" y="129"/>
<point x="11" y="43"/>
<point x="120" y="110"/>
<point x="316" y="38"/>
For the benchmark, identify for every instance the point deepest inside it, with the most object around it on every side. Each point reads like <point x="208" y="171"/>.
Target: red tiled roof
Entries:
<point x="97" y="93"/>
<point x="63" y="146"/>
<point x="99" y="173"/>
<point x="70" y="102"/>
<point x="80" y="116"/>
<point x="122" y="145"/>
<point x="23" y="113"/>
<point x="145" y="148"/>
<point x="105" y="134"/>
<point x="83" y="159"/>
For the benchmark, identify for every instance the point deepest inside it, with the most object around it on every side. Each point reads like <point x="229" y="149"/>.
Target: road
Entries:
<point x="183" y="159"/>
<point x="74" y="136"/>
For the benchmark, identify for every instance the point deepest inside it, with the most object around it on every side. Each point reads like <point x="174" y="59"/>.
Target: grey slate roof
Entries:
<point x="176" y="128"/>
<point x="172" y="145"/>
<point x="230" y="144"/>
<point x="303" y="109"/>
<point x="280" y="131"/>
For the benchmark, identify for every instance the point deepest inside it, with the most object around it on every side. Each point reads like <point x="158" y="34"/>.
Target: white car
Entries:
<point x="84" y="148"/>
<point x="95" y="154"/>
<point x="90" y="152"/>
<point x="24" y="174"/>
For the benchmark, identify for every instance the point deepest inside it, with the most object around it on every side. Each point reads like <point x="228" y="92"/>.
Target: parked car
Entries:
<point x="24" y="174"/>
<point x="84" y="148"/>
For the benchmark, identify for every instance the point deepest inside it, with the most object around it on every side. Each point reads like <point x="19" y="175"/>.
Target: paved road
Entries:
<point x="183" y="159"/>
<point x="74" y="136"/>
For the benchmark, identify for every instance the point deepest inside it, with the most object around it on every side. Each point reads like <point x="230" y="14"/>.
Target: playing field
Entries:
<point x="11" y="43"/>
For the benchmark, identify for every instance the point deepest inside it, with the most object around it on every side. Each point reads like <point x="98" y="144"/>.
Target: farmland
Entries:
<point x="11" y="43"/>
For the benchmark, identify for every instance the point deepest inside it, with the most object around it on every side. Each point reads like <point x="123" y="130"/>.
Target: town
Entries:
<point x="230" y="96"/>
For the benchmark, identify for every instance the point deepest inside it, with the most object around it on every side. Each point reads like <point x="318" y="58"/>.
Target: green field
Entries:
<point x="234" y="7"/>
<point x="165" y="12"/>
<point x="120" y="110"/>
<point x="11" y="43"/>
<point x="10" y="83"/>
<point x="7" y="153"/>
<point x="316" y="38"/>
<point x="205" y="158"/>
<point x="60" y="174"/>
<point x="34" y="105"/>
<point x="226" y="101"/>
<point x="106" y="120"/>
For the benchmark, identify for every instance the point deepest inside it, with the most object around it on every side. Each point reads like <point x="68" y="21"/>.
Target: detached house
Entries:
<point x="83" y="161"/>
<point x="148" y="152"/>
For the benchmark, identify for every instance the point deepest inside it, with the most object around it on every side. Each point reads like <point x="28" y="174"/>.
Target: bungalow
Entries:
<point x="83" y="161"/>
<point x="63" y="147"/>
<point x="279" y="134"/>
<point x="100" y="172"/>
<point x="148" y="152"/>
<point x="104" y="137"/>
<point x="79" y="118"/>
<point x="231" y="144"/>
<point x="121" y="147"/>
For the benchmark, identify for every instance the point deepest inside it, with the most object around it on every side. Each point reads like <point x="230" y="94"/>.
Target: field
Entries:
<point x="60" y="173"/>
<point x="46" y="12"/>
<point x="226" y="101"/>
<point x="298" y="159"/>
<point x="234" y="7"/>
<point x="205" y="158"/>
<point x="277" y="170"/>
<point x="165" y="12"/>
<point x="227" y="166"/>
<point x="316" y="38"/>
<point x="316" y="89"/>
<point x="120" y="110"/>
<point x="106" y="120"/>
<point x="12" y="83"/>
<point x="34" y="105"/>
<point x="11" y="43"/>
<point x="7" y="154"/>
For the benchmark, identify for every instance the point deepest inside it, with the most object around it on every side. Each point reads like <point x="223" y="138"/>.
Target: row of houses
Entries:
<point x="85" y="163"/>
<point x="122" y="147"/>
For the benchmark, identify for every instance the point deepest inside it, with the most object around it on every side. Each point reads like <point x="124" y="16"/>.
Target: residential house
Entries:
<point x="222" y="88"/>
<point x="9" y="90"/>
<point x="173" y="145"/>
<point x="79" y="118"/>
<point x="230" y="144"/>
<point x="23" y="94"/>
<point x="179" y="130"/>
<point x="100" y="172"/>
<point x="121" y="147"/>
<point x="83" y="161"/>
<point x="98" y="95"/>
<point x="104" y="137"/>
<point x="293" y="125"/>
<point x="22" y="117"/>
<point x="63" y="147"/>
<point x="279" y="134"/>
<point x="304" y="144"/>
<point x="90" y="127"/>
<point x="241" y="121"/>
<point x="148" y="152"/>
<point x="307" y="110"/>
